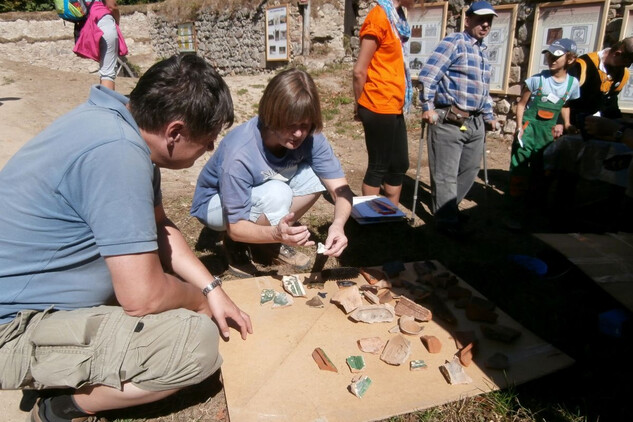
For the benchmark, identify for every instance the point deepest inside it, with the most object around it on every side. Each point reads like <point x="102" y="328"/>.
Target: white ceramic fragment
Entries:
<point x="454" y="372"/>
<point x="359" y="385"/>
<point x="373" y="313"/>
<point x="293" y="285"/>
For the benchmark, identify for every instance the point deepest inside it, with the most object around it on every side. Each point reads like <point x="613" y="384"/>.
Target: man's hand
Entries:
<point x="494" y="125"/>
<point x="224" y="311"/>
<point x="289" y="234"/>
<point x="430" y="116"/>
<point x="336" y="241"/>
<point x="557" y="131"/>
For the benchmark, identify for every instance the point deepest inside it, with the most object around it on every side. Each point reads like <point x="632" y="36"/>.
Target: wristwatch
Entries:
<point x="617" y="136"/>
<point x="217" y="281"/>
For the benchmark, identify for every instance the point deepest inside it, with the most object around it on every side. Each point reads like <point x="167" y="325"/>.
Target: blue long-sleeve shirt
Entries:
<point x="457" y="72"/>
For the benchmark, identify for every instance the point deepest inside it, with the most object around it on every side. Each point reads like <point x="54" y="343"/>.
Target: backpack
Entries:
<point x="73" y="10"/>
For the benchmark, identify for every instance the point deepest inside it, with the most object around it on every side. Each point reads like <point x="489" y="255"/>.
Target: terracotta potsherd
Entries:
<point x="408" y="325"/>
<point x="432" y="344"/>
<point x="371" y="297"/>
<point x="396" y="351"/>
<point x="348" y="298"/>
<point x="500" y="333"/>
<point x="372" y="276"/>
<point x="406" y="306"/>
<point x="323" y="361"/>
<point x="498" y="361"/>
<point x="373" y="345"/>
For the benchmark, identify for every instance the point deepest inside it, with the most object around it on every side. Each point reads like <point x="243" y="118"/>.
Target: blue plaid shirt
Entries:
<point x="458" y="72"/>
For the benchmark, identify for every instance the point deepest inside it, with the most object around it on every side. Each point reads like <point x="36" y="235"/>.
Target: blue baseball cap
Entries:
<point x="481" y="8"/>
<point x="561" y="46"/>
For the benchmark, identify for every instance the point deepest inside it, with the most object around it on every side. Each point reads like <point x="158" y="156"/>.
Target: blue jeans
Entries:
<point x="273" y="198"/>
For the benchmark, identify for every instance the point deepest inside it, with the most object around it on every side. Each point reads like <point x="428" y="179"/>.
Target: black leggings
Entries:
<point x="387" y="147"/>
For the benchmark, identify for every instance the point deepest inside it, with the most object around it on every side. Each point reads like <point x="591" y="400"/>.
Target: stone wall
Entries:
<point x="234" y="41"/>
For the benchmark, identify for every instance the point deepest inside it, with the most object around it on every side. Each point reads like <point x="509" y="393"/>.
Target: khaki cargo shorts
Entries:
<point x="104" y="346"/>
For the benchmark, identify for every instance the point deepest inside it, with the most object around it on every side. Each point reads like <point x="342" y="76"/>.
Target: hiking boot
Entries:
<point x="290" y="256"/>
<point x="38" y="414"/>
<point x="238" y="255"/>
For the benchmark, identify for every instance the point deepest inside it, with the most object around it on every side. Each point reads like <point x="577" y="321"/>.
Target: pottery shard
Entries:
<point x="458" y="292"/>
<point x="315" y="302"/>
<point x="464" y="338"/>
<point x="349" y="298"/>
<point x="500" y="333"/>
<point x="372" y="276"/>
<point x="498" y="361"/>
<point x="406" y="306"/>
<point x="372" y="345"/>
<point x="385" y="297"/>
<point x="442" y="280"/>
<point x="324" y="362"/>
<point x="373" y="313"/>
<point x="474" y="312"/>
<point x="371" y="297"/>
<point x="355" y="363"/>
<point x="432" y="344"/>
<point x="424" y="268"/>
<point x="396" y="351"/>
<point x="408" y="325"/>
<point x="454" y="372"/>
<point x="440" y="310"/>
<point x="293" y="286"/>
<point x="359" y="385"/>
<point x="466" y="354"/>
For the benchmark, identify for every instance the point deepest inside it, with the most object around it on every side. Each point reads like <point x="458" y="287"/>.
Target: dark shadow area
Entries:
<point x="2" y="100"/>
<point x="191" y="396"/>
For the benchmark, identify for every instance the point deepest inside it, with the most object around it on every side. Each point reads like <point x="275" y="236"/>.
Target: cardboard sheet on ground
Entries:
<point x="272" y="376"/>
<point x="606" y="258"/>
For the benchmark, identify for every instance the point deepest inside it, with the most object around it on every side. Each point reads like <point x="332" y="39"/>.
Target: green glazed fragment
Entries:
<point x="359" y="386"/>
<point x="415" y="365"/>
<point x="266" y="296"/>
<point x="355" y="363"/>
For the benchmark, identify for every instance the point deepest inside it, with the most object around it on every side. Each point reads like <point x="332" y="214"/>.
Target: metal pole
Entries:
<point x="305" y="44"/>
<point x="423" y="135"/>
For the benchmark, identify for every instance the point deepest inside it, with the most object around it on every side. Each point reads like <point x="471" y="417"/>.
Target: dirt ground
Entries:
<point x="31" y="97"/>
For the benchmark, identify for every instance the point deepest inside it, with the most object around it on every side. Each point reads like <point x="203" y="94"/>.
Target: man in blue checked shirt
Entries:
<point x="456" y="103"/>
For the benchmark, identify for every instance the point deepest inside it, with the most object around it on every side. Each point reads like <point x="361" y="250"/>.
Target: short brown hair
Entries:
<point x="290" y="97"/>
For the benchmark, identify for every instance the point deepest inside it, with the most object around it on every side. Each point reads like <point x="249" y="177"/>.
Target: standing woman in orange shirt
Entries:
<point x="382" y="88"/>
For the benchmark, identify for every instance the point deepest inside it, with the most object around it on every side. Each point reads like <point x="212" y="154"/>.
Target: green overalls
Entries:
<point x="538" y="121"/>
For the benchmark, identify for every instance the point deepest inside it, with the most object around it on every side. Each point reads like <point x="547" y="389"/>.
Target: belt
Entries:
<point x="474" y="113"/>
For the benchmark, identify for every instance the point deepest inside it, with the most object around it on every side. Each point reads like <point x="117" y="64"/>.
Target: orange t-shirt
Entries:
<point x="384" y="89"/>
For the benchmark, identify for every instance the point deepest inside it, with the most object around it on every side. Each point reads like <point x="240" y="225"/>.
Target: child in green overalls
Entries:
<point x="544" y="97"/>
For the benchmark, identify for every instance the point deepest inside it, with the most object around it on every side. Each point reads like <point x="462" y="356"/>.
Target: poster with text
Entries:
<point x="277" y="33"/>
